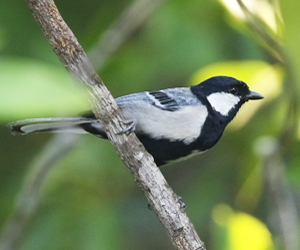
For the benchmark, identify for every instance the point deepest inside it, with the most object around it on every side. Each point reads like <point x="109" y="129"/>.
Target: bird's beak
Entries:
<point x="254" y="96"/>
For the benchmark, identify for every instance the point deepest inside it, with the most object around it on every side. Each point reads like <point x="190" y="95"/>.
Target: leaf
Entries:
<point x="30" y="88"/>
<point x="248" y="233"/>
<point x="244" y="232"/>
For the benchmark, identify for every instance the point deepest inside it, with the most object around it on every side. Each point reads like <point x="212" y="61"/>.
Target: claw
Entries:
<point x="131" y="126"/>
<point x="181" y="203"/>
<point x="150" y="207"/>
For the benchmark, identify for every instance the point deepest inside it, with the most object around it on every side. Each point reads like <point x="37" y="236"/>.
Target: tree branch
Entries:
<point x="140" y="164"/>
<point x="13" y="231"/>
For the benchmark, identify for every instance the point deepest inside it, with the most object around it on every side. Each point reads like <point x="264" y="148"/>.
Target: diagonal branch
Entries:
<point x="140" y="164"/>
<point x="13" y="231"/>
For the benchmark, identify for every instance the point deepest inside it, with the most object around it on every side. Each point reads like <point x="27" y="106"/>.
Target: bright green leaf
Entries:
<point x="248" y="233"/>
<point x="31" y="88"/>
<point x="244" y="232"/>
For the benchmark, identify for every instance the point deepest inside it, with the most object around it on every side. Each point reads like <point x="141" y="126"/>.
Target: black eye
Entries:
<point x="233" y="90"/>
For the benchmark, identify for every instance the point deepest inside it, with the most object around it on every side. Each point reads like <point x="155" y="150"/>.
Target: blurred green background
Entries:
<point x="242" y="194"/>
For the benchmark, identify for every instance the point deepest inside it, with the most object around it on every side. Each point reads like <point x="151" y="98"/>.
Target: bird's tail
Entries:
<point x="79" y="125"/>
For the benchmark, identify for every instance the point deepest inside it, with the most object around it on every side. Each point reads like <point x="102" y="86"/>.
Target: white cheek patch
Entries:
<point x="184" y="124"/>
<point x="223" y="102"/>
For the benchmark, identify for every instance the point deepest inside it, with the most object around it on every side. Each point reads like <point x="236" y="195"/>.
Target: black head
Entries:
<point x="225" y="94"/>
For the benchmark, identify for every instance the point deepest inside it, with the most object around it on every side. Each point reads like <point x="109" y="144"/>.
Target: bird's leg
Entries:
<point x="130" y="128"/>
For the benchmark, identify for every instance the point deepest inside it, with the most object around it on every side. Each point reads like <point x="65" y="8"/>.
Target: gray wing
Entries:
<point x="173" y="114"/>
<point x="169" y="99"/>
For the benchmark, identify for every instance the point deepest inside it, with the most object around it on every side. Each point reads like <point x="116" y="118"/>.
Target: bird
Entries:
<point x="172" y="123"/>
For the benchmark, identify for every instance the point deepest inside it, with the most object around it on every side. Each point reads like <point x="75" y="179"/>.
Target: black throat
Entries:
<point x="215" y="123"/>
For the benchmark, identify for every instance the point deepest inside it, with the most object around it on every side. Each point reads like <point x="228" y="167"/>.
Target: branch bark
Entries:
<point x="140" y="164"/>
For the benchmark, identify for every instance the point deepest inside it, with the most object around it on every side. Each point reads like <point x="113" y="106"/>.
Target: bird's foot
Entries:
<point x="131" y="124"/>
<point x="150" y="207"/>
<point x="181" y="203"/>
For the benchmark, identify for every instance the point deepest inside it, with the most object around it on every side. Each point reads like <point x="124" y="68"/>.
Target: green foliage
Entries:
<point x="37" y="89"/>
<point x="89" y="200"/>
<point x="291" y="38"/>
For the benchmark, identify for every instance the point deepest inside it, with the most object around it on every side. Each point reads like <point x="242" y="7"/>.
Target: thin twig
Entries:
<point x="29" y="195"/>
<point x="140" y="164"/>
<point x="128" y="22"/>
<point x="283" y="206"/>
<point x="284" y="214"/>
<point x="260" y="29"/>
